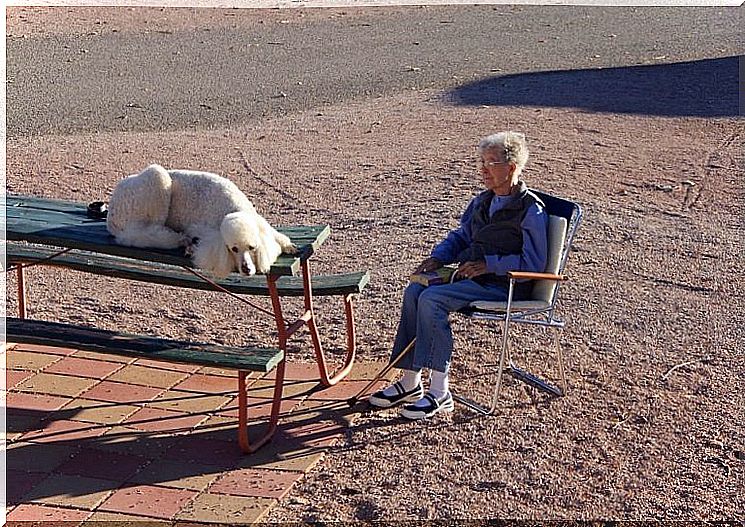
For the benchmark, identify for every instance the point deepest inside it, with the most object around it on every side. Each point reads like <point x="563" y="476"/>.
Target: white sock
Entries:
<point x="409" y="381"/>
<point x="438" y="384"/>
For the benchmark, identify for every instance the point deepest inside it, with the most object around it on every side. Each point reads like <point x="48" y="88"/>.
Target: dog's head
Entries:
<point x="242" y="240"/>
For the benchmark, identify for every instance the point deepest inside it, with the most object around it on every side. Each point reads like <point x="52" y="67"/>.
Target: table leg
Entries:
<point x="326" y="379"/>
<point x="21" y="292"/>
<point x="283" y="333"/>
<point x="247" y="446"/>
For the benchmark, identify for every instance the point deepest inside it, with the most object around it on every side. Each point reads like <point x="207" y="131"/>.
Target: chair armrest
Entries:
<point x="518" y="275"/>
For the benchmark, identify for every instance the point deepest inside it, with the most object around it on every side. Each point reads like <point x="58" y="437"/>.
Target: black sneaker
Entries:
<point x="381" y="400"/>
<point x="433" y="406"/>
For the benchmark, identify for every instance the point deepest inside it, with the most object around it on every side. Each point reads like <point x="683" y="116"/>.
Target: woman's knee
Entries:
<point x="435" y="299"/>
<point x="429" y="300"/>
<point x="413" y="292"/>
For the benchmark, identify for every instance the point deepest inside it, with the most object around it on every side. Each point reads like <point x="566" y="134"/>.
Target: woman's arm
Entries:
<point x="457" y="240"/>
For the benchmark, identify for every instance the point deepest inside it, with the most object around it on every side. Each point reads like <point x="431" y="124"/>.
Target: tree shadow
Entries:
<point x="701" y="88"/>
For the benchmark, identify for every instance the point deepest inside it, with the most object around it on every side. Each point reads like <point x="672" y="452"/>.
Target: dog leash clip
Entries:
<point x="97" y="210"/>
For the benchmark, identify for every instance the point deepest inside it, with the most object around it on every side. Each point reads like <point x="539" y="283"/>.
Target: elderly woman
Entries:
<point x="503" y="229"/>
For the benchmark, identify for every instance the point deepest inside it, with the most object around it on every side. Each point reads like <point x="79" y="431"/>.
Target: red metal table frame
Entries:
<point x="65" y="225"/>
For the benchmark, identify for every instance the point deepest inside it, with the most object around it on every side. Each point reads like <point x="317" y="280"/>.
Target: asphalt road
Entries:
<point x="139" y="80"/>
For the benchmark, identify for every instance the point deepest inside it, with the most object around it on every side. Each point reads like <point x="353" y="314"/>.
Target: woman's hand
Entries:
<point x="471" y="269"/>
<point x="430" y="264"/>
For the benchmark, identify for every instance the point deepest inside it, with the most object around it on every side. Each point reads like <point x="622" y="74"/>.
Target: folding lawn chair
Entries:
<point x="539" y="310"/>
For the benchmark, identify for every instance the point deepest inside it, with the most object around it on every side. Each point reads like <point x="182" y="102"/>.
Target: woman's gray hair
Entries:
<point x="509" y="146"/>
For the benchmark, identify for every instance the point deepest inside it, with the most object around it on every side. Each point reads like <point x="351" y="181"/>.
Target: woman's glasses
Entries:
<point x="490" y="164"/>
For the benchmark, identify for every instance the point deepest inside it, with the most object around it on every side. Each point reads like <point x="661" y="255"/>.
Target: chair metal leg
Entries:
<point x="560" y="358"/>
<point x="519" y="374"/>
<point x="502" y="356"/>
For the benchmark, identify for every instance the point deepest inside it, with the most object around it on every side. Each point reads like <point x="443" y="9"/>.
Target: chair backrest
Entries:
<point x="564" y="219"/>
<point x="557" y="230"/>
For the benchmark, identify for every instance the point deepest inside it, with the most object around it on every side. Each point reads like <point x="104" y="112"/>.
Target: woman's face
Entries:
<point x="496" y="174"/>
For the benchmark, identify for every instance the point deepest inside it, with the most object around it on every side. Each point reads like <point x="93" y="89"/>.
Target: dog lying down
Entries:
<point x="205" y="213"/>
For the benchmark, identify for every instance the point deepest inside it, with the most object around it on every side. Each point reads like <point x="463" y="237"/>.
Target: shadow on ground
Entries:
<point x="702" y="88"/>
<point x="123" y="457"/>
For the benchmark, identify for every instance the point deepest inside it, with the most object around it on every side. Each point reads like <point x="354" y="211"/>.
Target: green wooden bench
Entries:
<point x="60" y="233"/>
<point x="25" y="331"/>
<point x="127" y="268"/>
<point x="242" y="359"/>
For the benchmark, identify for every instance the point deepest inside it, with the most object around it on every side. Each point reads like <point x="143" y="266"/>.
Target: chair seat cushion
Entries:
<point x="517" y="305"/>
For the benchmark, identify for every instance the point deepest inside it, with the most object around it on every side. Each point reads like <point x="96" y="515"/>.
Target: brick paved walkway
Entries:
<point x="96" y="437"/>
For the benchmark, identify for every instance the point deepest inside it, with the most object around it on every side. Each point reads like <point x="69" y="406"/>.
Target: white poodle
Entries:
<point x="203" y="212"/>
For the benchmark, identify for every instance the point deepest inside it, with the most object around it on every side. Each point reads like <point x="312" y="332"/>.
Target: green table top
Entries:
<point x="66" y="224"/>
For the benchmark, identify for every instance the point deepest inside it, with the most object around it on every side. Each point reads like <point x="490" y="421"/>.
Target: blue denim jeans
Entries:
<point x="425" y="315"/>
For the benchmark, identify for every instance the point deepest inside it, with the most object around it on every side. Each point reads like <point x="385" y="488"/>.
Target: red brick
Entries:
<point x="54" y="384"/>
<point x="117" y="392"/>
<point x="222" y="509"/>
<point x="339" y="392"/>
<point x="47" y="514"/>
<point x="22" y="421"/>
<point x="65" y="431"/>
<point x="291" y="389"/>
<point x="148" y="500"/>
<point x="30" y="361"/>
<point x="104" y="357"/>
<point x="15" y="377"/>
<point x="77" y="492"/>
<point x="261" y="483"/>
<point x="204" y="449"/>
<point x="298" y="371"/>
<point x="189" y="402"/>
<point x="101" y="464"/>
<point x="32" y="457"/>
<point x="314" y="431"/>
<point x="157" y="420"/>
<point x="258" y="408"/>
<point x="209" y="384"/>
<point x="172" y="366"/>
<point x="19" y="483"/>
<point x="167" y="473"/>
<point x="94" y="369"/>
<point x="40" y="348"/>
<point x="33" y="401"/>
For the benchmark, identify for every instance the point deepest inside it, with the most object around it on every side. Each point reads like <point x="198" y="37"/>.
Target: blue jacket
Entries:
<point x="509" y="233"/>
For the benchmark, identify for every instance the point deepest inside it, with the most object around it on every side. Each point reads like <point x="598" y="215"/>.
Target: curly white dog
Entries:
<point x="203" y="212"/>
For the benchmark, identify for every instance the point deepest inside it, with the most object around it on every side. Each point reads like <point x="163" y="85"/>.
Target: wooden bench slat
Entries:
<point x="323" y="285"/>
<point x="44" y="203"/>
<point x="113" y="342"/>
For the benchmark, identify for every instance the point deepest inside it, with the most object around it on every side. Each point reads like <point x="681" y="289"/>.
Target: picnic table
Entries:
<point x="65" y="234"/>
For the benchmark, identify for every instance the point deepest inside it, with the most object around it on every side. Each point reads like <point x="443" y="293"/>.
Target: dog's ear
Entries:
<point x="211" y="254"/>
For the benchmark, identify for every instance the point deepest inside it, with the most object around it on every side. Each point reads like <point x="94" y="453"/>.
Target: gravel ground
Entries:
<point x="652" y="426"/>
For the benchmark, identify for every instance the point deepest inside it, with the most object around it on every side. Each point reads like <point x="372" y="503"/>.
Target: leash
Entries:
<point x="36" y="262"/>
<point x="229" y="293"/>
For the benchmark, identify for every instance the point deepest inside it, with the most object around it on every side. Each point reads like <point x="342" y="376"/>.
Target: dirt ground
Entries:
<point x="652" y="426"/>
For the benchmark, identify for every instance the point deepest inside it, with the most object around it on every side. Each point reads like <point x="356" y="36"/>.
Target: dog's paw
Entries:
<point x="291" y="248"/>
<point x="263" y="265"/>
